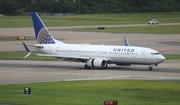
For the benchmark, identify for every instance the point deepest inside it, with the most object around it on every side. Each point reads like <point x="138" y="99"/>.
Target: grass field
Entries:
<point x="91" y="19"/>
<point x="127" y="92"/>
<point x="153" y="29"/>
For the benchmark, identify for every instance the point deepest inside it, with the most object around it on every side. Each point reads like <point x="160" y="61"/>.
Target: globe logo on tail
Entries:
<point x="44" y="37"/>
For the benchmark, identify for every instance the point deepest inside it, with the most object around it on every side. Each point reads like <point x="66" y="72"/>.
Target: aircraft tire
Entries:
<point x="86" y="66"/>
<point x="150" y="68"/>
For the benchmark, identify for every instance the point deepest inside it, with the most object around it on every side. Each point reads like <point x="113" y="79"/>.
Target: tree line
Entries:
<point x="88" y="6"/>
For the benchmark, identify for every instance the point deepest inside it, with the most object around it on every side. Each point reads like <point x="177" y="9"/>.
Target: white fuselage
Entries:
<point x="120" y="55"/>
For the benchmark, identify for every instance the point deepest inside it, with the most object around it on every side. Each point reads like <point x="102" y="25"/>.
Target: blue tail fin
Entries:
<point x="42" y="34"/>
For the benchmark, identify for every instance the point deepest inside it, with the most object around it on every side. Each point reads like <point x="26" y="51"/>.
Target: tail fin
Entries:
<point x="41" y="32"/>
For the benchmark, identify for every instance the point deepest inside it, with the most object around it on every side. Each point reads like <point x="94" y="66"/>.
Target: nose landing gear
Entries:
<point x="151" y="66"/>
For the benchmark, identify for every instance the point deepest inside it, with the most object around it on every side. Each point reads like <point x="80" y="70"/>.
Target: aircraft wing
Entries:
<point x="61" y="57"/>
<point x="77" y="58"/>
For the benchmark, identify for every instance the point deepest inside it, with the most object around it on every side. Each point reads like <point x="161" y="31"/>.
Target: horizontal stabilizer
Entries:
<point x="36" y="45"/>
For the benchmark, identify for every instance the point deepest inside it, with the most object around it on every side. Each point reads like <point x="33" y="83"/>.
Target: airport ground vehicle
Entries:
<point x="153" y="22"/>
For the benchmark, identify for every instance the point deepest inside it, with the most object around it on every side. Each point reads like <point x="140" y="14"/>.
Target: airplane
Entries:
<point x="94" y="56"/>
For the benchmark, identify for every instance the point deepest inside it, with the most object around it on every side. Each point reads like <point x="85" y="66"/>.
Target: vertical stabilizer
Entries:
<point x="42" y="34"/>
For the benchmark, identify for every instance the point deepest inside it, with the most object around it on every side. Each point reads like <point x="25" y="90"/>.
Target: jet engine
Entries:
<point x="97" y="62"/>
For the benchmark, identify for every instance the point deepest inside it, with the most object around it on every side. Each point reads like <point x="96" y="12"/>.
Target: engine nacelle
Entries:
<point x="97" y="62"/>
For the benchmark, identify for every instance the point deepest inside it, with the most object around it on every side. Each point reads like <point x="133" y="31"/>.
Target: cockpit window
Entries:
<point x="155" y="53"/>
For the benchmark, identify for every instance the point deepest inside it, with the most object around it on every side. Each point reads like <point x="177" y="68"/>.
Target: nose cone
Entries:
<point x="161" y="58"/>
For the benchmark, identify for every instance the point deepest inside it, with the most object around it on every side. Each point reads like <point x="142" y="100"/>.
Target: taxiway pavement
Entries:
<point x="28" y="71"/>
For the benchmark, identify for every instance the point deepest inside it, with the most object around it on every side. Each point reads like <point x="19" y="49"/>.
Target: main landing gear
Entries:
<point x="86" y="66"/>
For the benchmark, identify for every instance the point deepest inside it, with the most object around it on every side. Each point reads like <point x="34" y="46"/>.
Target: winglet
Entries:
<point x="126" y="42"/>
<point x="27" y="50"/>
